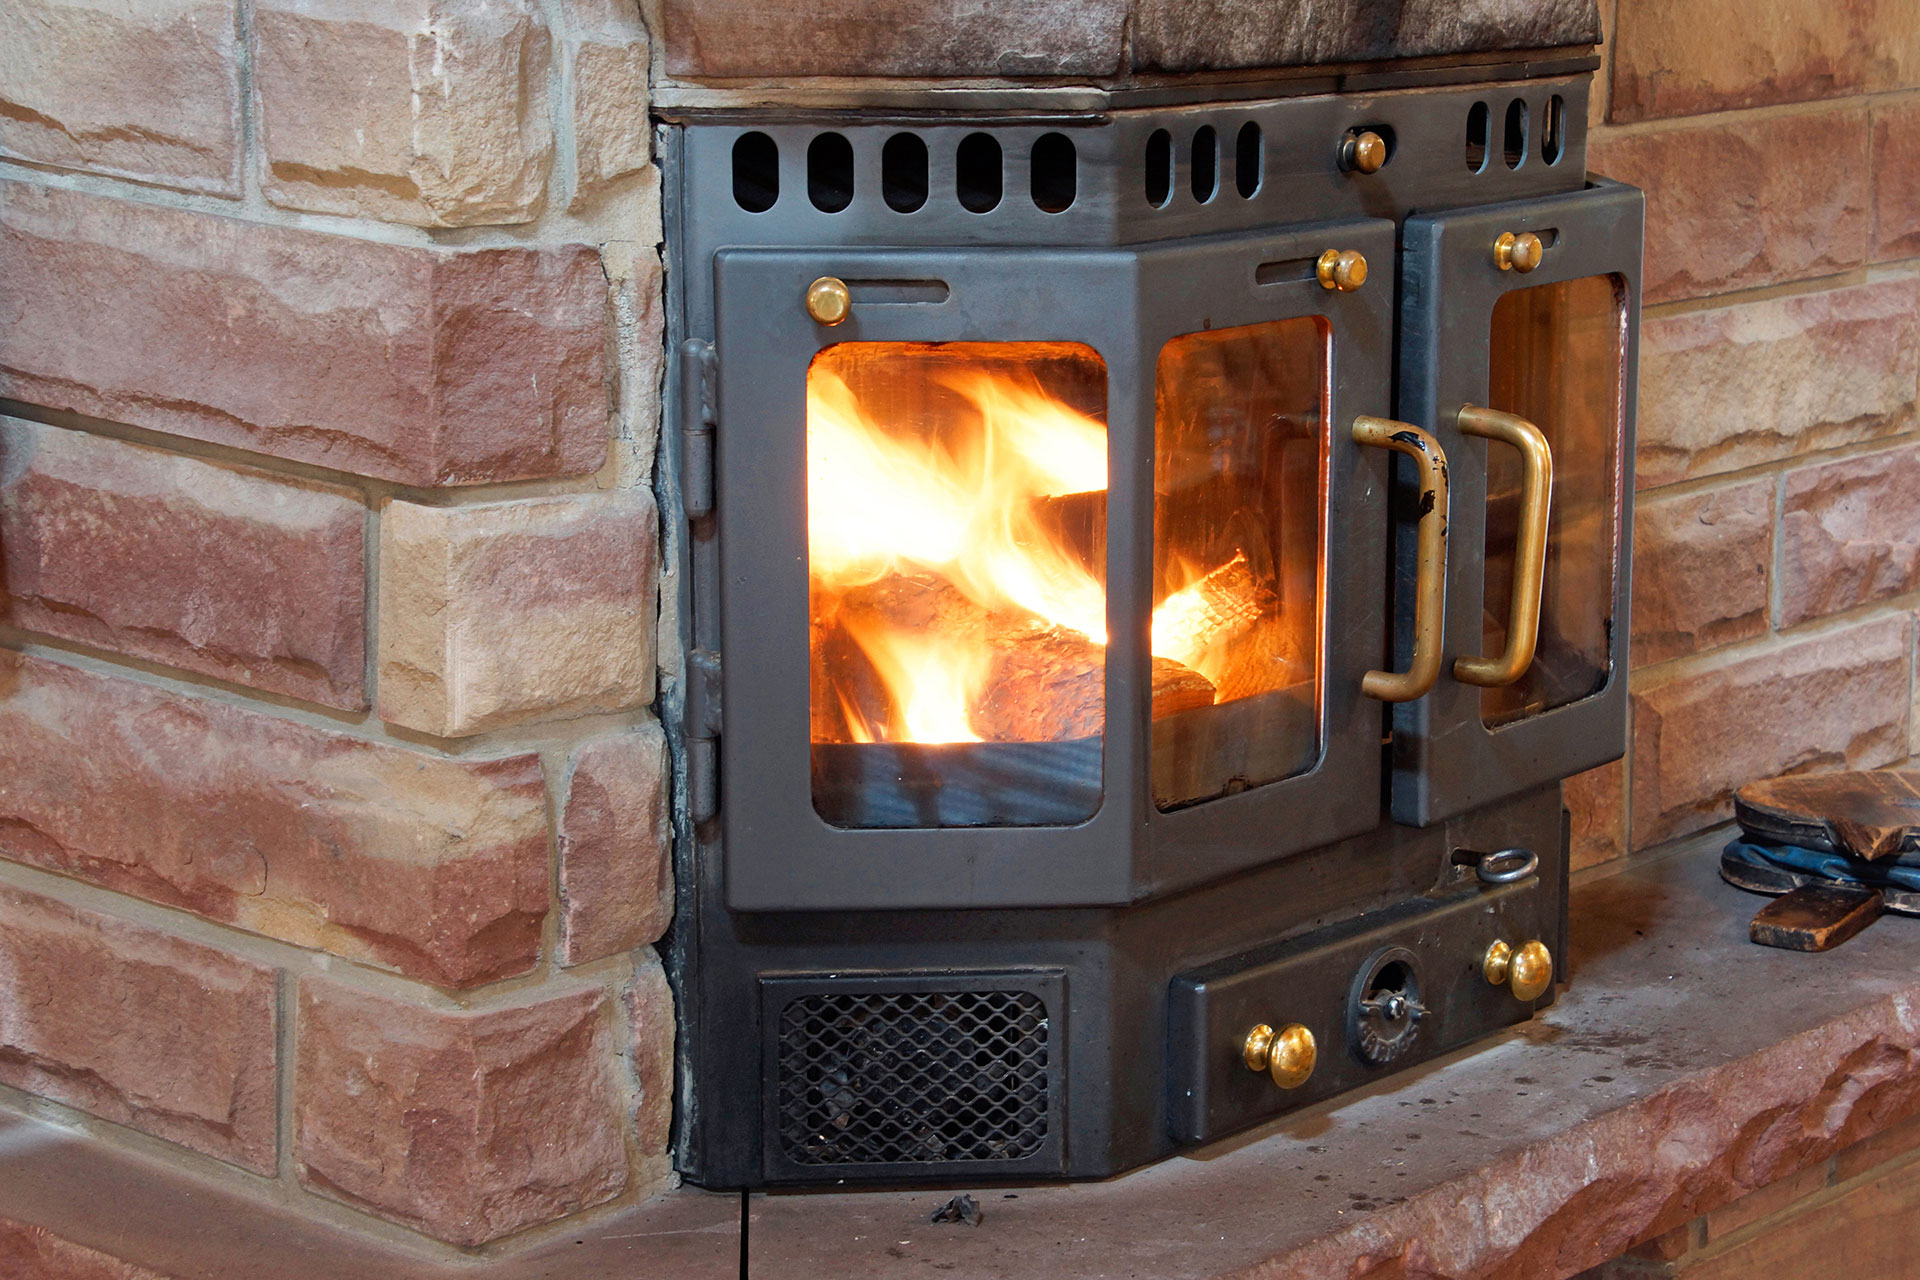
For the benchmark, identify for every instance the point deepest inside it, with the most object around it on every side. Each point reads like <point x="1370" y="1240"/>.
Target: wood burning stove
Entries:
<point x="1147" y="561"/>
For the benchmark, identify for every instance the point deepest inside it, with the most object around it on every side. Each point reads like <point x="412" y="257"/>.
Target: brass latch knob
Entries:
<point x="1528" y="972"/>
<point x="828" y="300"/>
<point x="1288" y="1055"/>
<point x="1364" y="152"/>
<point x="1520" y="253"/>
<point x="1341" y="269"/>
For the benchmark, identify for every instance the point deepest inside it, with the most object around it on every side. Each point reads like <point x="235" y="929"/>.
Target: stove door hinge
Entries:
<point x="703" y="733"/>
<point x="699" y="415"/>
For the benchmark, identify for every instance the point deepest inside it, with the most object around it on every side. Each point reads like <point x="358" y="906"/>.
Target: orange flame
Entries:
<point x="963" y="505"/>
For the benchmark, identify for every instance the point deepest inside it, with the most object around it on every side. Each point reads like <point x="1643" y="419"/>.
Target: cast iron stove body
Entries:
<point x="1146" y="566"/>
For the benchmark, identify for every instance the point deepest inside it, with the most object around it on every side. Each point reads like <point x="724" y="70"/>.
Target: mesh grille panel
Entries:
<point x="915" y="1077"/>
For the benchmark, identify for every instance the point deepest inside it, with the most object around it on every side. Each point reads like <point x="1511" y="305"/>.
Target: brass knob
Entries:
<point x="1520" y="253"/>
<point x="1288" y="1055"/>
<point x="1364" y="152"/>
<point x="1342" y="269"/>
<point x="1528" y="972"/>
<point x="828" y="300"/>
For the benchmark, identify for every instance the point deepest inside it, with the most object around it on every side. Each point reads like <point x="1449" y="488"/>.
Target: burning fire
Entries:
<point x="944" y="560"/>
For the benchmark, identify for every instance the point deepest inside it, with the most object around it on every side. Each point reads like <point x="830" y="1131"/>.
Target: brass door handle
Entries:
<point x="1430" y="578"/>
<point x="1530" y="549"/>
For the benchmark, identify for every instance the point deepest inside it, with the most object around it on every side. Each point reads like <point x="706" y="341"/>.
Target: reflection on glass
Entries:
<point x="1239" y="443"/>
<point x="956" y="550"/>
<point x="1557" y="357"/>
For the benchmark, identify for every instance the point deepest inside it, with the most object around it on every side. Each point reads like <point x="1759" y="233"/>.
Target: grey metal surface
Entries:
<point x="1445" y="759"/>
<point x="1114" y="272"/>
<point x="1444" y="936"/>
<point x="1119" y="963"/>
<point x="1301" y="180"/>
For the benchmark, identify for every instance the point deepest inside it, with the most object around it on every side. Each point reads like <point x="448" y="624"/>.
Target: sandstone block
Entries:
<point x="142" y="89"/>
<point x="167" y="1036"/>
<point x="733" y="38"/>
<point x="433" y="867"/>
<point x="221" y="570"/>
<point x="1896" y="181"/>
<point x="1850" y="534"/>
<point x="1682" y="57"/>
<point x="1738" y="202"/>
<point x="466" y="1126"/>
<point x="34" y="1253"/>
<point x="616" y="865"/>
<point x="1597" y="802"/>
<point x="1198" y="35"/>
<point x="428" y="112"/>
<point x="1701" y="565"/>
<point x="608" y="56"/>
<point x="636" y="280"/>
<point x="650" y="1024"/>
<point x="1839" y="700"/>
<point x="507" y="612"/>
<point x="422" y="366"/>
<point x="1760" y="381"/>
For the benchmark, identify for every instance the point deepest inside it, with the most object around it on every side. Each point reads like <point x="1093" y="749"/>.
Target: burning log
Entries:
<point x="1048" y="685"/>
<point x="1177" y="688"/>
<point x="1210" y="611"/>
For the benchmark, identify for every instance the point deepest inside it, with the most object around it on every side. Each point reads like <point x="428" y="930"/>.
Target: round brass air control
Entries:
<point x="828" y="300"/>
<point x="1528" y="972"/>
<point x="1288" y="1055"/>
<point x="1520" y="253"/>
<point x="1531" y="972"/>
<point x="1364" y="152"/>
<point x="1341" y="269"/>
<point x="1499" y="960"/>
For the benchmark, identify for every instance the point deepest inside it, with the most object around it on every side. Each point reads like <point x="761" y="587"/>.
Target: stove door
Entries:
<point x="941" y="613"/>
<point x="1269" y="544"/>
<point x="1520" y="327"/>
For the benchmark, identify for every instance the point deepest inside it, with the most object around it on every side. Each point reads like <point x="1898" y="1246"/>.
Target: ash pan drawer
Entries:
<point x="1264" y="1032"/>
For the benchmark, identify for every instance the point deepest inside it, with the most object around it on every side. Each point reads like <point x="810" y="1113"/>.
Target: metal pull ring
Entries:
<point x="1507" y="866"/>
<point x="1530" y="549"/>
<point x="1430" y="578"/>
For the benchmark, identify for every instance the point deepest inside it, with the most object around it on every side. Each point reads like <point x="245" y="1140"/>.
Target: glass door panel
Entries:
<point x="1239" y="461"/>
<point x="1556" y="359"/>
<point x="956" y="555"/>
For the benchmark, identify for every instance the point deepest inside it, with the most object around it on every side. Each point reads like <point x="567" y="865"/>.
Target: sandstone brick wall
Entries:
<point x="332" y="798"/>
<point x="1777" y="540"/>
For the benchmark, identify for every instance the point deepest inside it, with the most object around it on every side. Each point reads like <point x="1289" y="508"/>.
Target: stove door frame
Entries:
<point x="1125" y="304"/>
<point x="1446" y="761"/>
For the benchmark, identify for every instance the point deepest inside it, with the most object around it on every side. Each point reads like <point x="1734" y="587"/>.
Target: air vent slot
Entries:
<point x="1249" y="158"/>
<point x="1204" y="175"/>
<point x="830" y="172"/>
<point x="1159" y="168"/>
<point x="1514" y="152"/>
<point x="756" y="172"/>
<point x="1055" y="182"/>
<point x="875" y="1076"/>
<point x="903" y="172"/>
<point x="976" y="176"/>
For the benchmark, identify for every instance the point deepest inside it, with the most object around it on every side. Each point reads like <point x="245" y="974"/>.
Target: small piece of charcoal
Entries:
<point x="959" y="1209"/>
